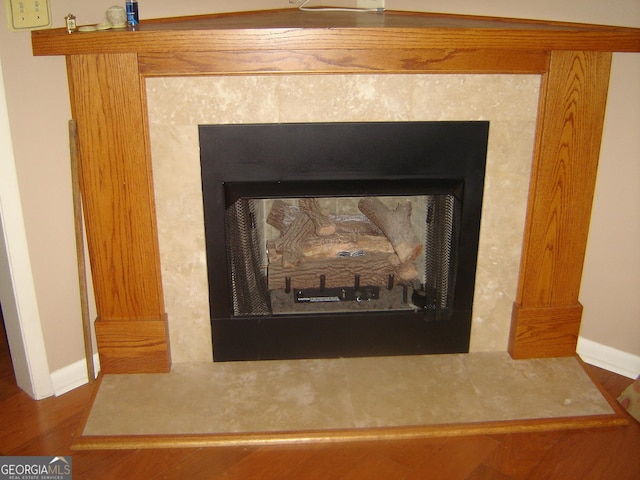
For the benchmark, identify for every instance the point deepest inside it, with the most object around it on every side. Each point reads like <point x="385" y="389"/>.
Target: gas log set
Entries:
<point x="325" y="258"/>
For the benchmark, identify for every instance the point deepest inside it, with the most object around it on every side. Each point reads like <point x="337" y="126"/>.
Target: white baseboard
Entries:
<point x="72" y="376"/>
<point x="609" y="358"/>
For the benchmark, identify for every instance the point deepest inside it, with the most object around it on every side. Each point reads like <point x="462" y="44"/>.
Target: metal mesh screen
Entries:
<point x="249" y="285"/>
<point x="441" y="239"/>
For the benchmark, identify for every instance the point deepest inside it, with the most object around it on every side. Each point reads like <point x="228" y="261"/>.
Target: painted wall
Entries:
<point x="38" y="107"/>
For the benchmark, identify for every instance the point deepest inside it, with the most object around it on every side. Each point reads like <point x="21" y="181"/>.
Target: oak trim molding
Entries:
<point x="284" y="30"/>
<point x="107" y="69"/>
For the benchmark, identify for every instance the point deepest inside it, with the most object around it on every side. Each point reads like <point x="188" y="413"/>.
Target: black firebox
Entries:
<point x="329" y="240"/>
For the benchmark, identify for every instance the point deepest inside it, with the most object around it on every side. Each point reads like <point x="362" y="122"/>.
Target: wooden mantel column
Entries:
<point x="107" y="72"/>
<point x="108" y="105"/>
<point x="546" y="315"/>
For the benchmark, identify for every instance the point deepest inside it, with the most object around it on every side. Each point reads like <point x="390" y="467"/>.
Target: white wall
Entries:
<point x="38" y="108"/>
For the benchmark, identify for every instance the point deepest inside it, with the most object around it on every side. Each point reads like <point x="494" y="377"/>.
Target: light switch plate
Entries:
<point x="28" y="14"/>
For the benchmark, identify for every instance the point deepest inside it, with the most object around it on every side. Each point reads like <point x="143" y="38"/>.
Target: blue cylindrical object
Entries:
<point x="132" y="13"/>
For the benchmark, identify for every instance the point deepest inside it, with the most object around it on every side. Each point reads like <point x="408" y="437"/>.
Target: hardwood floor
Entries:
<point x="46" y="427"/>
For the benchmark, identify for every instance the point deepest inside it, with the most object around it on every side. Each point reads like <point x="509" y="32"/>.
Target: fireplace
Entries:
<point x="107" y="73"/>
<point x="341" y="239"/>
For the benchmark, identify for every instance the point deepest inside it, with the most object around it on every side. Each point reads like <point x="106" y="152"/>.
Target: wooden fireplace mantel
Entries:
<point x="107" y="72"/>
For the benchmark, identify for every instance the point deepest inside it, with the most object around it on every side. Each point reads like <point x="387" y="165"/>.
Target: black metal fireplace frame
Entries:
<point x="341" y="159"/>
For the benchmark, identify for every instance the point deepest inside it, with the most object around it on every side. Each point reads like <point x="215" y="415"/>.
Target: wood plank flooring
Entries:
<point x="46" y="427"/>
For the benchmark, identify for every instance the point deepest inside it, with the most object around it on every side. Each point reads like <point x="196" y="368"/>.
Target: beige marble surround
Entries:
<point x="177" y="105"/>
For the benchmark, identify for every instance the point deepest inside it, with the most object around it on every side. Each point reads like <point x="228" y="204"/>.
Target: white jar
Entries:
<point x="117" y="16"/>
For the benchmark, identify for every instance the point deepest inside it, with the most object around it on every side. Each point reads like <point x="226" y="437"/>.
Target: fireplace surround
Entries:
<point x="420" y="182"/>
<point x="106" y="72"/>
<point x="178" y="105"/>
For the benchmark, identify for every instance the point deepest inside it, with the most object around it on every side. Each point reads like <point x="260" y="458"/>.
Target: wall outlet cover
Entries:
<point x="28" y="14"/>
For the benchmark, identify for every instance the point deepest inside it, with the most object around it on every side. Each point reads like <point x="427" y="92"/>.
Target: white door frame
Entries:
<point x="17" y="288"/>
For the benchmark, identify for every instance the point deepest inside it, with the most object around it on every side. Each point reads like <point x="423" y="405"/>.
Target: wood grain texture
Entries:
<point x="107" y="104"/>
<point x="290" y="30"/>
<point x="133" y="345"/>
<point x="385" y="60"/>
<point x="80" y="255"/>
<point x="345" y="437"/>
<point x="563" y="178"/>
<point x="543" y="332"/>
<point x="116" y="185"/>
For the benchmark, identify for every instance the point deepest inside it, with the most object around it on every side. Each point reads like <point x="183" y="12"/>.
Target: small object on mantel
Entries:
<point x="95" y="28"/>
<point x="117" y="16"/>
<point x="70" y="20"/>
<point x="132" y="14"/>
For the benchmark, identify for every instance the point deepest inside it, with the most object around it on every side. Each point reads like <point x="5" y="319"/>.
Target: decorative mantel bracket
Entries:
<point x="107" y="70"/>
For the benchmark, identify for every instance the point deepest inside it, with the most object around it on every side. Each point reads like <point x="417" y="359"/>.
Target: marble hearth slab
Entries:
<point x="245" y="399"/>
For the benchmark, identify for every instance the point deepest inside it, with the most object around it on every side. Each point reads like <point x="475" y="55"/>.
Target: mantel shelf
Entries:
<point x="296" y="30"/>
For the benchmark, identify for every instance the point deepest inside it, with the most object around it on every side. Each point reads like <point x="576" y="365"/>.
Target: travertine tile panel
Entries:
<point x="224" y="398"/>
<point x="509" y="102"/>
<point x="181" y="240"/>
<point x="397" y="391"/>
<point x="537" y="388"/>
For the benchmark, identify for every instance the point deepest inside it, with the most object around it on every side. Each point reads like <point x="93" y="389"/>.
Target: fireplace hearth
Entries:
<point x="341" y="239"/>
